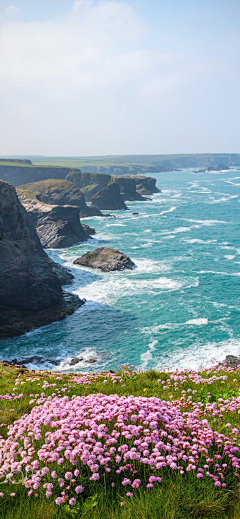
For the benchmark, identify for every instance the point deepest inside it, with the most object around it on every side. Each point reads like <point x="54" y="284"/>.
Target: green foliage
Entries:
<point x="177" y="498"/>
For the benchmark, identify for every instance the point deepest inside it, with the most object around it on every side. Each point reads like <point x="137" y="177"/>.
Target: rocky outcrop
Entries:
<point x="20" y="173"/>
<point x="109" y="198"/>
<point x="145" y="185"/>
<point x="57" y="226"/>
<point x="217" y="167"/>
<point x="89" y="183"/>
<point x="131" y="169"/>
<point x="231" y="361"/>
<point x="89" y="231"/>
<point x="128" y="188"/>
<point x="59" y="192"/>
<point x="105" y="259"/>
<point x="30" y="292"/>
<point x="64" y="275"/>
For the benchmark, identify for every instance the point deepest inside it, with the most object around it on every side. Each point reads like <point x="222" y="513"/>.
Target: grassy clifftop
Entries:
<point x="118" y="445"/>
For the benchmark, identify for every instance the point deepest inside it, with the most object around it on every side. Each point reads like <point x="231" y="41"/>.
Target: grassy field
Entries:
<point x="138" y="160"/>
<point x="212" y="395"/>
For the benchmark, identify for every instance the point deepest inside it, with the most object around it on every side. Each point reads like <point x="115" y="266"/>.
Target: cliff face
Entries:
<point x="109" y="198"/>
<point x="89" y="183"/>
<point x="145" y="185"/>
<point x="128" y="187"/>
<point x="19" y="174"/>
<point x="57" y="225"/>
<point x="30" y="292"/>
<point x="58" y="192"/>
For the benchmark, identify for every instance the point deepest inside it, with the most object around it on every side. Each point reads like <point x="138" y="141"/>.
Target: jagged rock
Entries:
<point x="89" y="183"/>
<point x="109" y="198"/>
<point x="217" y="167"/>
<point x="30" y="360"/>
<point x="57" y="226"/>
<point x="105" y="259"/>
<point x="231" y="361"/>
<point x="128" y="188"/>
<point x="58" y="192"/>
<point x="145" y="185"/>
<point x="30" y="292"/>
<point x="89" y="231"/>
<point x="64" y="275"/>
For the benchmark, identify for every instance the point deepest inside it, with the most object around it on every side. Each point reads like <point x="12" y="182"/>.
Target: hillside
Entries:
<point x="18" y="173"/>
<point x="120" y="445"/>
<point x="141" y="164"/>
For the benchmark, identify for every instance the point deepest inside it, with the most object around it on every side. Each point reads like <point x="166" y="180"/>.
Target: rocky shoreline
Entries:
<point x="46" y="213"/>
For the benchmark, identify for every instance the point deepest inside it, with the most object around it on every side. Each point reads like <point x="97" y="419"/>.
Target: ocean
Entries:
<point x="178" y="309"/>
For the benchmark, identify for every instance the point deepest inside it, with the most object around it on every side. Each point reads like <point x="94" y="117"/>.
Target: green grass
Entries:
<point x="176" y="498"/>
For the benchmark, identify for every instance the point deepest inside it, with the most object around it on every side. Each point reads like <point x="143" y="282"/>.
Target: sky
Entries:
<point x="89" y="77"/>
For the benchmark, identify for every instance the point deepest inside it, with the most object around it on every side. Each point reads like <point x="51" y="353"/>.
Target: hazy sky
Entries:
<point x="119" y="77"/>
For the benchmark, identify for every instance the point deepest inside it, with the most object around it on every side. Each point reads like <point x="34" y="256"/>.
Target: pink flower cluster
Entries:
<point x="64" y="445"/>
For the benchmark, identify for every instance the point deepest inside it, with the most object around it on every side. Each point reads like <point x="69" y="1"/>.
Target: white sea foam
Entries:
<point x="147" y="266"/>
<point x="223" y="199"/>
<point x="219" y="273"/>
<point x="198" y="356"/>
<point x="230" y="256"/>
<point x="154" y="330"/>
<point x="199" y="321"/>
<point x="147" y="356"/>
<point x="86" y="356"/>
<point x="168" y="211"/>
<point x="116" y="285"/>
<point x="197" y="240"/>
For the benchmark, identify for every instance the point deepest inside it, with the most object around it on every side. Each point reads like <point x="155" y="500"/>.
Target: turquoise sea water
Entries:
<point x="180" y="307"/>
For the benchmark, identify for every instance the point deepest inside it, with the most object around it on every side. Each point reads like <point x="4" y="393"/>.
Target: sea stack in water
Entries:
<point x="109" y="198"/>
<point x="30" y="291"/>
<point x="105" y="259"/>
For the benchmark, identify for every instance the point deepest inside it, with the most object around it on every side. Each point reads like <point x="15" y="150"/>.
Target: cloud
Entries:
<point x="11" y="11"/>
<point x="93" y="81"/>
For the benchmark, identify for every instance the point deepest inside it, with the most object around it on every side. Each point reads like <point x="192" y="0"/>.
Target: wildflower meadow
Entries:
<point x="118" y="445"/>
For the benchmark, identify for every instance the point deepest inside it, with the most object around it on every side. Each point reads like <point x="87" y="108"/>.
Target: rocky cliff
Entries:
<point x="89" y="183"/>
<point x="144" y="185"/>
<point x="59" y="192"/>
<point x="128" y="188"/>
<point x="109" y="198"/>
<point x="57" y="226"/>
<point x="30" y="292"/>
<point x="20" y="173"/>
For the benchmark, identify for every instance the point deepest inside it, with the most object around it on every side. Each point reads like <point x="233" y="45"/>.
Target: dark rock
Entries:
<point x="89" y="231"/>
<point x="135" y="213"/>
<point x="105" y="259"/>
<point x="75" y="361"/>
<point x="30" y="292"/>
<point x="58" y="192"/>
<point x="57" y="226"/>
<point x="231" y="361"/>
<point x="146" y="185"/>
<point x="64" y="275"/>
<point x="109" y="198"/>
<point x="217" y="167"/>
<point x="128" y="188"/>
<point x="89" y="183"/>
<point x="34" y="359"/>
